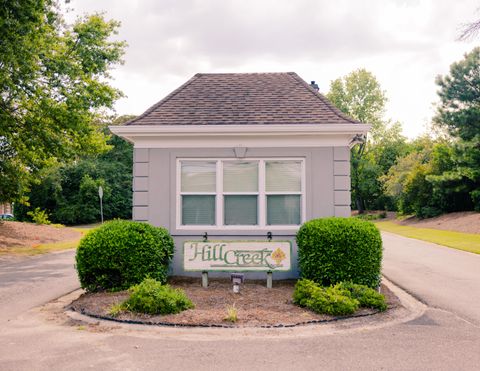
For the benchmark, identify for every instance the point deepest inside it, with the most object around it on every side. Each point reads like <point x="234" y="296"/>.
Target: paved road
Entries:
<point x="29" y="282"/>
<point x="438" y="340"/>
<point x="441" y="277"/>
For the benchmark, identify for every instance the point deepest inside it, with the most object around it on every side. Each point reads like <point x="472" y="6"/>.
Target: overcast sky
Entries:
<point x="404" y="43"/>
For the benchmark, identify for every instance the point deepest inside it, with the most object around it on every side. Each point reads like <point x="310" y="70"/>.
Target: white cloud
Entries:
<point x="404" y="43"/>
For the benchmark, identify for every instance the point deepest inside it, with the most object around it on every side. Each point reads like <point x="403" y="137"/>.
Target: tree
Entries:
<point x="459" y="112"/>
<point x="54" y="84"/>
<point x="469" y="31"/>
<point x="459" y="93"/>
<point x="69" y="192"/>
<point x="420" y="182"/>
<point x="360" y="96"/>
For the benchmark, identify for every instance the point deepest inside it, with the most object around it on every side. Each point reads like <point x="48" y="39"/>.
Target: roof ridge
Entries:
<point x="323" y="99"/>
<point x="165" y="99"/>
<point x="242" y="73"/>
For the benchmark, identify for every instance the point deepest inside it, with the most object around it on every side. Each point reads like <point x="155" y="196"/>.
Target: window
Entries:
<point x="198" y="192"/>
<point x="247" y="193"/>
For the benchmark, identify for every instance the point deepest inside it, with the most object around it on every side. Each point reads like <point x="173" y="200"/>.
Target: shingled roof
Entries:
<point x="241" y="99"/>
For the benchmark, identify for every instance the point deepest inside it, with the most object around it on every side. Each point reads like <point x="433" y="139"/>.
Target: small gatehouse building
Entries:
<point x="233" y="164"/>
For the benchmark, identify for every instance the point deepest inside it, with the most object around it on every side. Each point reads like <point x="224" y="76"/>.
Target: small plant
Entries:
<point x="116" y="309"/>
<point x="341" y="299"/>
<point x="331" y="300"/>
<point x="39" y="216"/>
<point x="367" y="297"/>
<point x="368" y="217"/>
<point x="151" y="297"/>
<point x="304" y="290"/>
<point x="232" y="314"/>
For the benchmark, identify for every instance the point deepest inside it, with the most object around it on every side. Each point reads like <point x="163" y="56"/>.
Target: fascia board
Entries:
<point x="212" y="130"/>
<point x="224" y="136"/>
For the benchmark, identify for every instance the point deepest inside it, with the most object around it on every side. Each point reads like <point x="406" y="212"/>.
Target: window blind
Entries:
<point x="283" y="176"/>
<point x="240" y="176"/>
<point x="240" y="210"/>
<point x="283" y="209"/>
<point x="198" y="210"/>
<point x="198" y="176"/>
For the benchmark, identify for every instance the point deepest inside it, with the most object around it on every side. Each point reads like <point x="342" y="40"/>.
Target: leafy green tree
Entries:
<point x="54" y="80"/>
<point x="419" y="181"/>
<point x="69" y="192"/>
<point x="360" y="96"/>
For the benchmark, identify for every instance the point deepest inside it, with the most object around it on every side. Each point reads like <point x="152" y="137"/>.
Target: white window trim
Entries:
<point x="262" y="217"/>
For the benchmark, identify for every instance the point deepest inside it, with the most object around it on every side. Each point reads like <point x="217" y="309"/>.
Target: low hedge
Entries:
<point x="332" y="250"/>
<point x="122" y="253"/>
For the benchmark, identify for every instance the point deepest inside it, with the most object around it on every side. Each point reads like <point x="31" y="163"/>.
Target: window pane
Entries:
<point x="198" y="210"/>
<point x="283" y="176"/>
<point x="240" y="176"/>
<point x="240" y="210"/>
<point x="283" y="210"/>
<point x="198" y="176"/>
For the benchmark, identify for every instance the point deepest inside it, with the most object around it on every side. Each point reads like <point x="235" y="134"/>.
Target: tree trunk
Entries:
<point x="359" y="203"/>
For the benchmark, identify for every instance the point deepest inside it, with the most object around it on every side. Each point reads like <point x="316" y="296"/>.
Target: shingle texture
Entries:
<point x="243" y="98"/>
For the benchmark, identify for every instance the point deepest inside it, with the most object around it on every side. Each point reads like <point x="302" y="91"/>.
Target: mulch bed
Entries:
<point x="257" y="306"/>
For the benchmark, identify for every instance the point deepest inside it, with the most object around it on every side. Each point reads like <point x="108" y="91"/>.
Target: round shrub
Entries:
<point x="333" y="250"/>
<point x="122" y="253"/>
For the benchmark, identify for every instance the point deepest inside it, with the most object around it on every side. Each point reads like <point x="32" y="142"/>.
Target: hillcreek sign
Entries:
<point x="237" y="256"/>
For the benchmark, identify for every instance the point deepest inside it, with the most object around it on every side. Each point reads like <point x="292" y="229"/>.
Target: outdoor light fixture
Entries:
<point x="358" y="139"/>
<point x="237" y="279"/>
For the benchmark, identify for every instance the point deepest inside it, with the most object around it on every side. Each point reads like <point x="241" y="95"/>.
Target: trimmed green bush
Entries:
<point x="332" y="300"/>
<point x="122" y="253"/>
<point x="151" y="297"/>
<point x="366" y="296"/>
<point x="333" y="250"/>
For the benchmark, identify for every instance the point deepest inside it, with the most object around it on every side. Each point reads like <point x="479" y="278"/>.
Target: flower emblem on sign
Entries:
<point x="278" y="255"/>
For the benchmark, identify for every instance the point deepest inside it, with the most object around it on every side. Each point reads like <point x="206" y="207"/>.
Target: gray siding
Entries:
<point x="141" y="184"/>
<point x="327" y="193"/>
<point x="341" y="179"/>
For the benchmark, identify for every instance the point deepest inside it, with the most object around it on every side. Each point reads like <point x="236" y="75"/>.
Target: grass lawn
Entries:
<point x="41" y="248"/>
<point x="457" y="240"/>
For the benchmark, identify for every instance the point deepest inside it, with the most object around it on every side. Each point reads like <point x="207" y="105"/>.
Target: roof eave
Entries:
<point x="217" y="136"/>
<point x="207" y="130"/>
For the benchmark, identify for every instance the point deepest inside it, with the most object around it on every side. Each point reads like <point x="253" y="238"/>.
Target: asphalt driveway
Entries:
<point x="32" y="281"/>
<point x="439" y="276"/>
<point x="37" y="339"/>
